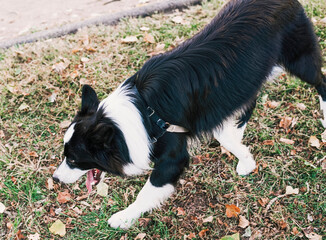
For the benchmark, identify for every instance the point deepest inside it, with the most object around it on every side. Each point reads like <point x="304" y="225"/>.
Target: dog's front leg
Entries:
<point x="171" y="160"/>
<point x="148" y="198"/>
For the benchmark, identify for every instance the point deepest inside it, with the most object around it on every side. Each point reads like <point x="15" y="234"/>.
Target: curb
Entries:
<point x="111" y="19"/>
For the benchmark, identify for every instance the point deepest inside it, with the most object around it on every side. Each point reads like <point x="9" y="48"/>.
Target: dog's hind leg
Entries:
<point x="301" y="56"/>
<point x="170" y="157"/>
<point x="230" y="136"/>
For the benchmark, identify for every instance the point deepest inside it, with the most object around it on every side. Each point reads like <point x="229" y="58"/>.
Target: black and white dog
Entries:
<point x="207" y="85"/>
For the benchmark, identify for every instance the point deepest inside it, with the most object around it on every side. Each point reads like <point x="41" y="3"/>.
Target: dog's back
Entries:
<point x="220" y="70"/>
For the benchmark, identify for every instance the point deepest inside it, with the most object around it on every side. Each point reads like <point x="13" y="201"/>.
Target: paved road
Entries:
<point x="20" y="17"/>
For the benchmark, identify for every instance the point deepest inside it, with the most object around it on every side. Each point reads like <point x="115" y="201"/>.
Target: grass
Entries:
<point x="35" y="100"/>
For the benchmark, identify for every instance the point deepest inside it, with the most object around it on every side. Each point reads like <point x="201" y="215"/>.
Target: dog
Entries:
<point x="206" y="85"/>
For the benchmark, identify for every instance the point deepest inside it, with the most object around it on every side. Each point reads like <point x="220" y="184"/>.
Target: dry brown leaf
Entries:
<point x="287" y="141"/>
<point x="314" y="142"/>
<point x="144" y="28"/>
<point x="308" y="232"/>
<point x="140" y="236"/>
<point x="272" y="104"/>
<point x="49" y="184"/>
<point x="181" y="211"/>
<point x="295" y="231"/>
<point x="74" y="74"/>
<point x="232" y="211"/>
<point x="35" y="236"/>
<point x="143" y="222"/>
<point x="190" y="236"/>
<point x="202" y="233"/>
<point x="65" y="124"/>
<point x="84" y="59"/>
<point x="285" y="122"/>
<point x="2" y="134"/>
<point x="33" y="154"/>
<point x="58" y="228"/>
<point x="263" y="201"/>
<point x="64" y="197"/>
<point x="243" y="222"/>
<point x="208" y="219"/>
<point x="282" y="224"/>
<point x="129" y="39"/>
<point x="149" y="38"/>
<point x="290" y="190"/>
<point x="269" y="142"/>
<point x="2" y="207"/>
<point x="19" y="235"/>
<point x="323" y="137"/>
<point x="301" y="106"/>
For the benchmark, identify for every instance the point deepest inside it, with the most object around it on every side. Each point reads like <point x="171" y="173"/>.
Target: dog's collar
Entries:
<point x="163" y="125"/>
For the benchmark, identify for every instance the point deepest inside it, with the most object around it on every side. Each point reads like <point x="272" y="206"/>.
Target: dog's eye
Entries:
<point x="71" y="161"/>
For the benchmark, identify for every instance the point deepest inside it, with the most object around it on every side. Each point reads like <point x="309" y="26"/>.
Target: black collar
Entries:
<point x="155" y="119"/>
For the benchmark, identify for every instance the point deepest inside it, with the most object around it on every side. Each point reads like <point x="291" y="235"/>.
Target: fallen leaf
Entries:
<point x="102" y="189"/>
<point x="59" y="67"/>
<point x="190" y="236"/>
<point x="2" y="207"/>
<point x="308" y="232"/>
<point x="64" y="197"/>
<point x="23" y="106"/>
<point x="323" y="137"/>
<point x="285" y="122"/>
<point x="84" y="59"/>
<point x="282" y="224"/>
<point x="33" y="154"/>
<point x="293" y="152"/>
<point x="74" y="74"/>
<point x="35" y="236"/>
<point x="232" y="211"/>
<point x="65" y="124"/>
<point x="301" y="106"/>
<point x="243" y="222"/>
<point x="314" y="142"/>
<point x="202" y="233"/>
<point x="129" y="39"/>
<point x="287" y="141"/>
<point x="143" y="222"/>
<point x="9" y="225"/>
<point x="52" y="97"/>
<point x="235" y="236"/>
<point x="323" y="164"/>
<point x="263" y="201"/>
<point x="49" y="184"/>
<point x="179" y="20"/>
<point x="144" y="28"/>
<point x="208" y="219"/>
<point x="2" y="134"/>
<point x="58" y="228"/>
<point x="19" y="235"/>
<point x="247" y="232"/>
<point x="290" y="190"/>
<point x="140" y="236"/>
<point x="295" y="231"/>
<point x="272" y="104"/>
<point x="181" y="211"/>
<point x="149" y="38"/>
<point x="269" y="142"/>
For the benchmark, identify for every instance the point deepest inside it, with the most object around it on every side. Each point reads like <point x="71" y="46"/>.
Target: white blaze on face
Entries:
<point x="66" y="174"/>
<point x="69" y="133"/>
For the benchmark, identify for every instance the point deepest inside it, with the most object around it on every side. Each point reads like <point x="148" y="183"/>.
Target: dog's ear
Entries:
<point x="102" y="135"/>
<point x="89" y="100"/>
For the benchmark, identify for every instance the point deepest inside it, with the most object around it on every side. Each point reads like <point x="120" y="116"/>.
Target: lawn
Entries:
<point x="40" y="87"/>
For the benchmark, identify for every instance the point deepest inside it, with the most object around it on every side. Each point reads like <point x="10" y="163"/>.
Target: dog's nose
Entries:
<point x="56" y="179"/>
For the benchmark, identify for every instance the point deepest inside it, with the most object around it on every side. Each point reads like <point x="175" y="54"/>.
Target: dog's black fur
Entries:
<point x="202" y="82"/>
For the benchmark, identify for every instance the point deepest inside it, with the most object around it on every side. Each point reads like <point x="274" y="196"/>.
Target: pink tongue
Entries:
<point x="90" y="180"/>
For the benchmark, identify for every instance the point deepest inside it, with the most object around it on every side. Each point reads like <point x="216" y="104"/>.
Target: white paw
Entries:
<point x="323" y="122"/>
<point x="245" y="167"/>
<point x="123" y="219"/>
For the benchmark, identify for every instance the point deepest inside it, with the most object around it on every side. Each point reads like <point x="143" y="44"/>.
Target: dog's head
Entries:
<point x="92" y="141"/>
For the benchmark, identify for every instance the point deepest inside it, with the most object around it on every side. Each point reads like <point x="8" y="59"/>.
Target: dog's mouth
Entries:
<point x="93" y="178"/>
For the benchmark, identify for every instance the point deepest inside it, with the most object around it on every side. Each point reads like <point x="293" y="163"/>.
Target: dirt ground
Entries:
<point x="19" y="17"/>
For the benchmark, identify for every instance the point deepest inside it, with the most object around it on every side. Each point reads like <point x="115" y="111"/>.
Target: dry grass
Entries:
<point x="31" y="142"/>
